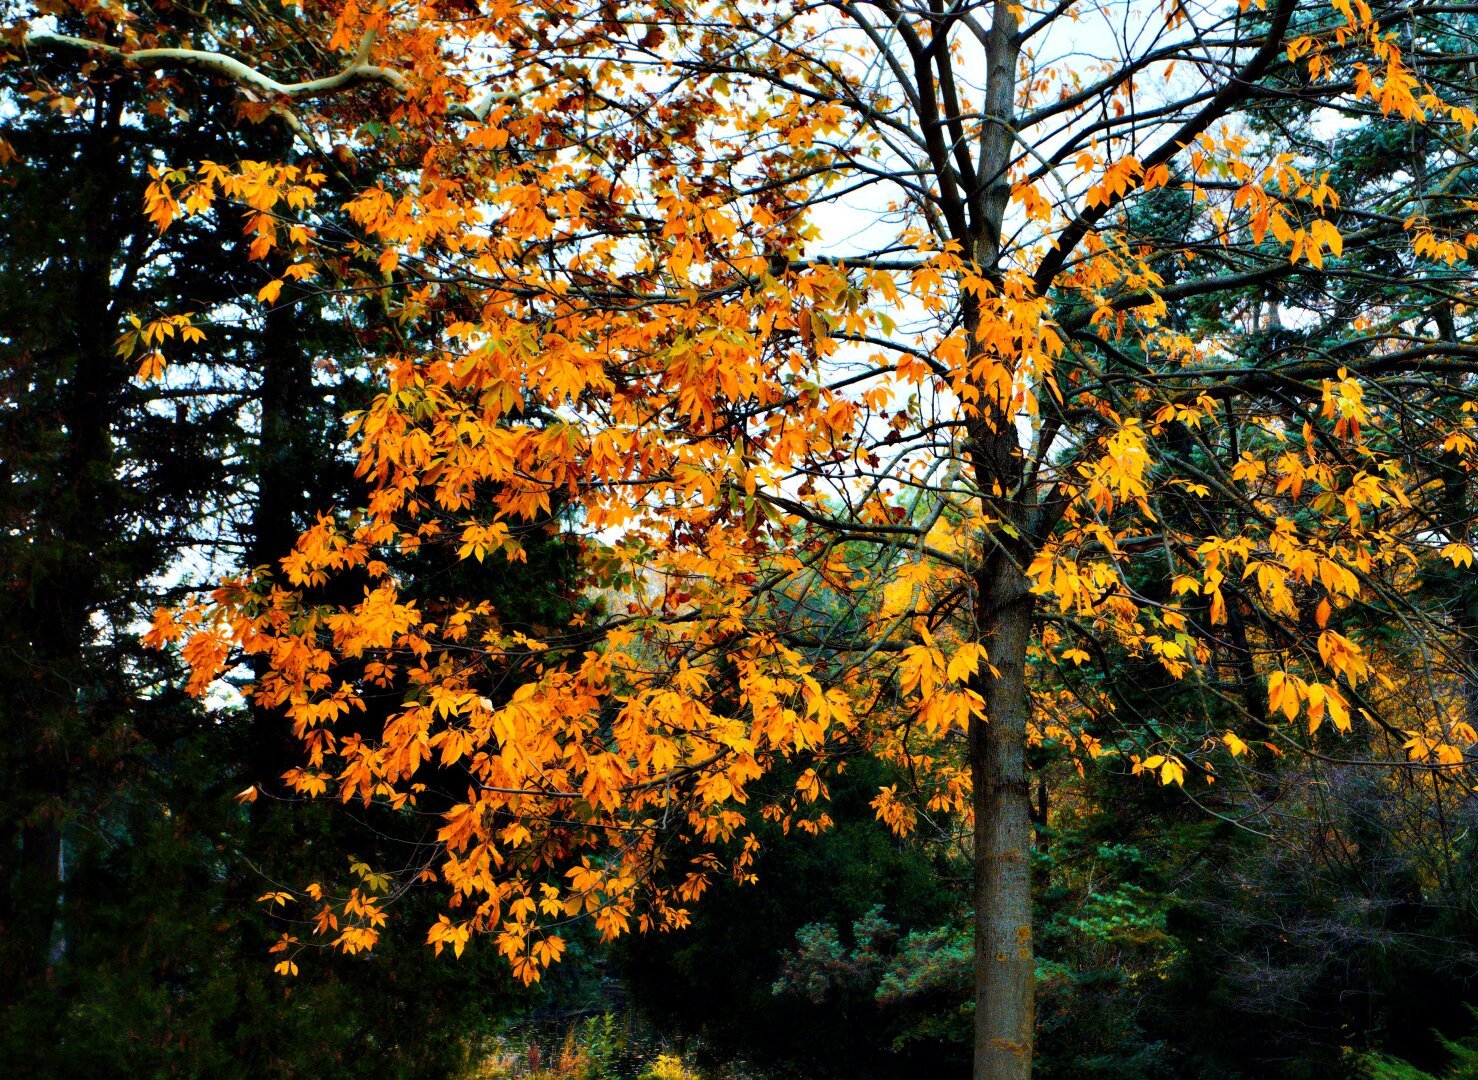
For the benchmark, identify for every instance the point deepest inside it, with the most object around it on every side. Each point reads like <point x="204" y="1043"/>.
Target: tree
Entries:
<point x="128" y="873"/>
<point x="627" y="254"/>
<point x="104" y="481"/>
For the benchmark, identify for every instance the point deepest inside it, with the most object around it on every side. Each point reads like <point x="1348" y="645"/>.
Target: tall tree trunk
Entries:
<point x="1005" y="972"/>
<point x="1004" y="965"/>
<point x="64" y="582"/>
<point x="285" y="471"/>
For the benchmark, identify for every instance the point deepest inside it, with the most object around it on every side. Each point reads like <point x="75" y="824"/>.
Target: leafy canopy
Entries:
<point x="800" y="455"/>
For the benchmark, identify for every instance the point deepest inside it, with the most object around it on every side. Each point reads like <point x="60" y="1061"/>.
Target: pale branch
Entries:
<point x="358" y="71"/>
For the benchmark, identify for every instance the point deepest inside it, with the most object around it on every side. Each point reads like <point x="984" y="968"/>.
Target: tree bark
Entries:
<point x="1004" y="965"/>
<point x="1005" y="971"/>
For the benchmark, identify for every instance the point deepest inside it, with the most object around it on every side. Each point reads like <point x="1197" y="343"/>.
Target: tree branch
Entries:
<point x="358" y="70"/>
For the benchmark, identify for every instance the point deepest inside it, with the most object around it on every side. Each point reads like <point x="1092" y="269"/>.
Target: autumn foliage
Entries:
<point x="883" y="372"/>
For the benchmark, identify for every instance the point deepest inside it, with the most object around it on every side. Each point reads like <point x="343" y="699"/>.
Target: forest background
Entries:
<point x="1318" y="920"/>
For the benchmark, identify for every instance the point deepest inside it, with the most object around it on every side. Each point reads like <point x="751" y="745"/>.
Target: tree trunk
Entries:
<point x="1004" y="967"/>
<point x="285" y="471"/>
<point x="61" y="584"/>
<point x="1005" y="972"/>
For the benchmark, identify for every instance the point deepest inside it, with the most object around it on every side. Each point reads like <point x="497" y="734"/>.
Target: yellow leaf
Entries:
<point x="151" y="368"/>
<point x="1460" y="554"/>
<point x="965" y="662"/>
<point x="1218" y="608"/>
